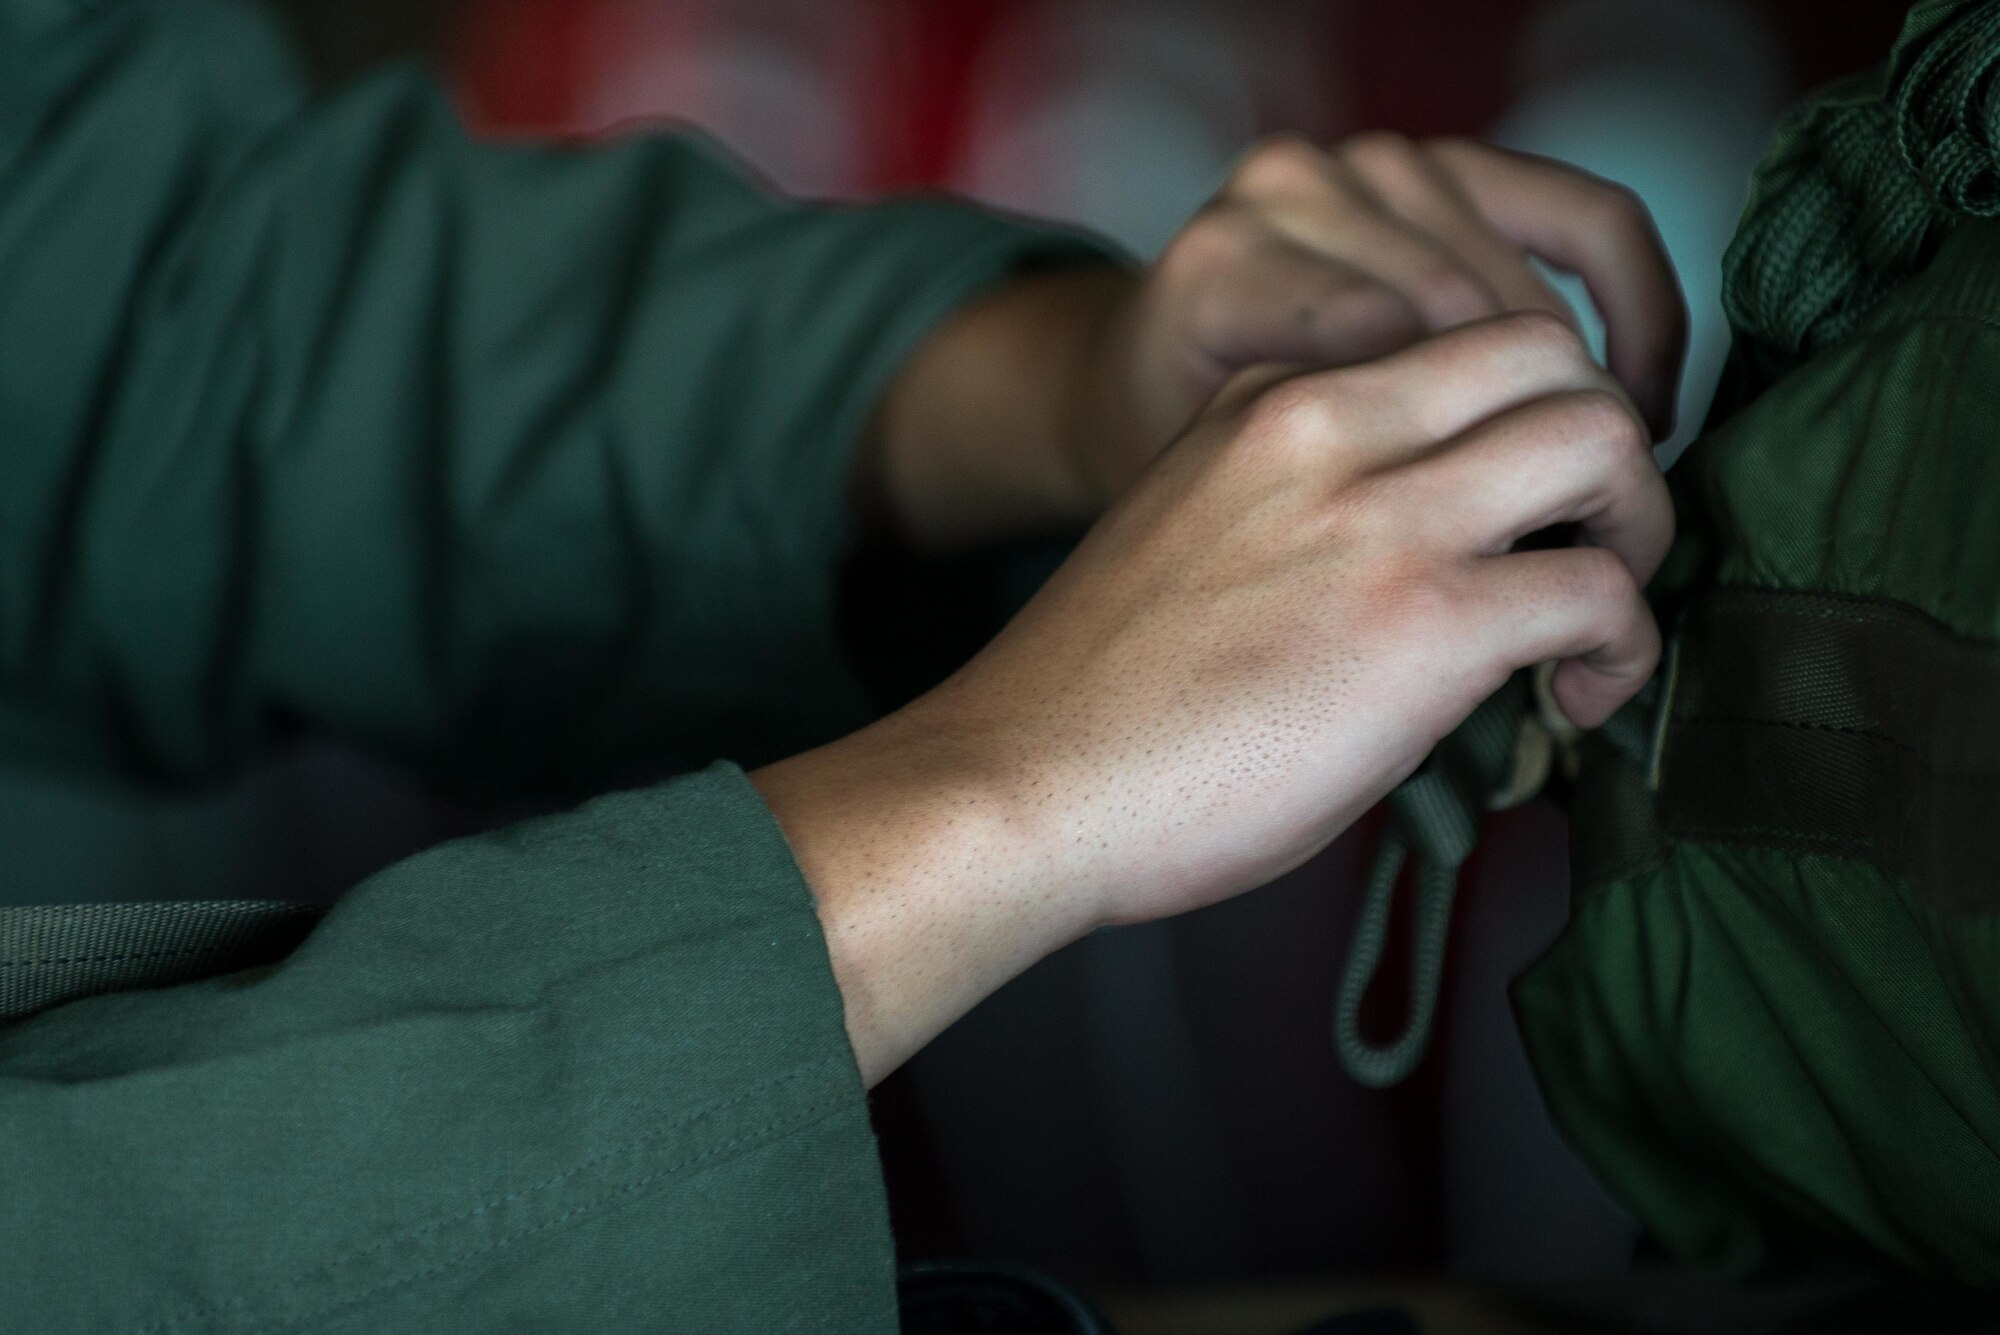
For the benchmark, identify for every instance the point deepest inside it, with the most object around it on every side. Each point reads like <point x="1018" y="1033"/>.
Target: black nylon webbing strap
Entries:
<point x="52" y="953"/>
<point x="1614" y="826"/>
<point x="1848" y="726"/>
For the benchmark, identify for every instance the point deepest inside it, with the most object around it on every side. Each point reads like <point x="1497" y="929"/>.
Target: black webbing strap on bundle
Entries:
<point x="53" y="953"/>
<point x="1853" y="727"/>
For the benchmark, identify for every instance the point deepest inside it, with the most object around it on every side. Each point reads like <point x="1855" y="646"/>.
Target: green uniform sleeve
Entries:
<point x="518" y="463"/>
<point x="587" y="1074"/>
<point x="522" y="463"/>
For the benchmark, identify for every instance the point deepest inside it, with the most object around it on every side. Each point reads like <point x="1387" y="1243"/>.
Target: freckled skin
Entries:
<point x="1318" y="422"/>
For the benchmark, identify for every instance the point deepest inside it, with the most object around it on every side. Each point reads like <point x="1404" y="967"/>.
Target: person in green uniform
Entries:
<point x="537" y="465"/>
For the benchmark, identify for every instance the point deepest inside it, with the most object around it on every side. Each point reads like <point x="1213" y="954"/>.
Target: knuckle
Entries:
<point x="1621" y="206"/>
<point x="1281" y="164"/>
<point x="1603" y="580"/>
<point x="1606" y="423"/>
<point x="1214" y="239"/>
<point x="1362" y="507"/>
<point x="1381" y="151"/>
<point x="1292" y="415"/>
<point x="1365" y="389"/>
<point x="1542" y="331"/>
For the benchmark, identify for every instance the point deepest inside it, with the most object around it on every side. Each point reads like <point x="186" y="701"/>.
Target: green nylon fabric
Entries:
<point x="525" y="465"/>
<point x="1786" y="1057"/>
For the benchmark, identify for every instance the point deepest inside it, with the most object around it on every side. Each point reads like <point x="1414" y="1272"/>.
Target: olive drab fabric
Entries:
<point x="317" y="414"/>
<point x="1773" y="1023"/>
<point x="1862" y="185"/>
<point x="528" y="466"/>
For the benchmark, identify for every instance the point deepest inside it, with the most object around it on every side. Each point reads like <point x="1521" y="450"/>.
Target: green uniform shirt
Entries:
<point x="525" y="465"/>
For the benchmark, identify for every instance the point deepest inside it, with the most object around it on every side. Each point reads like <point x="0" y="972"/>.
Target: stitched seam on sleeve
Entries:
<point x="328" y="1271"/>
<point x="811" y="1115"/>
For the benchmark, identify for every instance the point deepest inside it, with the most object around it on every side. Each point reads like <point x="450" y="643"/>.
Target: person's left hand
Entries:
<point x="1035" y="407"/>
<point x="1325" y="258"/>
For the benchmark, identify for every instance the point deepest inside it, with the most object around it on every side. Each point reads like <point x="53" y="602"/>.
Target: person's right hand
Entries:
<point x="1272" y="628"/>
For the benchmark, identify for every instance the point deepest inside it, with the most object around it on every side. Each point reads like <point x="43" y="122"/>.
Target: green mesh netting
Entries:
<point x="1862" y="184"/>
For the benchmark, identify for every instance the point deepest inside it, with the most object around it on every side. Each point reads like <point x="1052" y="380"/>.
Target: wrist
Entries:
<point x="933" y="881"/>
<point x="1091" y="414"/>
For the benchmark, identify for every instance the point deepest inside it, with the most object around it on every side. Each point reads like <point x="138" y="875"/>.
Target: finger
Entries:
<point x="1278" y="301"/>
<point x="1601" y="232"/>
<point x="1410" y="184"/>
<point x="1577" y="604"/>
<point x="1302" y="191"/>
<point x="1444" y="290"/>
<point x="1406" y="403"/>
<point x="1335" y="214"/>
<point x="1580" y="457"/>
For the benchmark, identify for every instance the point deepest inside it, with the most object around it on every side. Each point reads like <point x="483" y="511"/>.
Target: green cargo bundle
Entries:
<point x="1773" y="1023"/>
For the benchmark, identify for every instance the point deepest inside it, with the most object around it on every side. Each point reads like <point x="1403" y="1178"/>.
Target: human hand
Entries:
<point x="1037" y="405"/>
<point x="1328" y="257"/>
<point x="1267" y="633"/>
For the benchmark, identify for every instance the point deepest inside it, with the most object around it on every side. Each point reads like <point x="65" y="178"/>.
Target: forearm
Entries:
<point x="988" y="428"/>
<point x="528" y="465"/>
